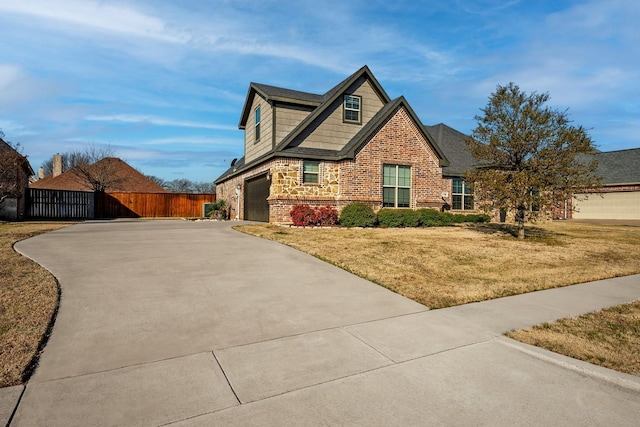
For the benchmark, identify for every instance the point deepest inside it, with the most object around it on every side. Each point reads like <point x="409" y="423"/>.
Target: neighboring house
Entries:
<point x="117" y="174"/>
<point x="619" y="197"/>
<point x="15" y="172"/>
<point x="457" y="193"/>
<point x="352" y="144"/>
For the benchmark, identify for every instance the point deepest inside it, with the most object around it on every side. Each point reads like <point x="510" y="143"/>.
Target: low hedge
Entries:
<point x="425" y="217"/>
<point x="357" y="215"/>
<point x="399" y="218"/>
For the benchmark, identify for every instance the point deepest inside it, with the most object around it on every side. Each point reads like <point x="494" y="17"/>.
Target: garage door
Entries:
<point x="256" y="191"/>
<point x="616" y="205"/>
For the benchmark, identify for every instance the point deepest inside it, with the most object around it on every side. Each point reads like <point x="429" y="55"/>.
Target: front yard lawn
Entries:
<point x="28" y="299"/>
<point x="609" y="338"/>
<point x="447" y="266"/>
<point x="439" y="267"/>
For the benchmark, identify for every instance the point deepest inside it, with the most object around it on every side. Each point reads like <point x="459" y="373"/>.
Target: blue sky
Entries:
<point x="164" y="82"/>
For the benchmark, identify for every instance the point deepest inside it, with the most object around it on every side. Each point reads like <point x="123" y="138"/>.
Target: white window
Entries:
<point x="396" y="186"/>
<point x="461" y="195"/>
<point x="352" y="107"/>
<point x="310" y="172"/>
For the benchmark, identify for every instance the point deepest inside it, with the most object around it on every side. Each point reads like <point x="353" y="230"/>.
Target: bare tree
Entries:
<point x="89" y="164"/>
<point x="204" y="187"/>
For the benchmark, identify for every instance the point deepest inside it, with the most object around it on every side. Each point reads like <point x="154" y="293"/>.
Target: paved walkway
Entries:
<point x="192" y="323"/>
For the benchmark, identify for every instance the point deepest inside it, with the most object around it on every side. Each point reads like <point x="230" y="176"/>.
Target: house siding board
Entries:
<point x="287" y="118"/>
<point x="330" y="131"/>
<point x="254" y="149"/>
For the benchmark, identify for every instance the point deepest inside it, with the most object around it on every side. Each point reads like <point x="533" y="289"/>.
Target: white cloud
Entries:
<point x="95" y="15"/>
<point x="157" y="121"/>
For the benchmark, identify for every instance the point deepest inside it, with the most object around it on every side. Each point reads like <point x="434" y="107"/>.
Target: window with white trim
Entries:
<point x="352" y="107"/>
<point x="257" y="122"/>
<point x="461" y="195"/>
<point x="310" y="172"/>
<point x="396" y="186"/>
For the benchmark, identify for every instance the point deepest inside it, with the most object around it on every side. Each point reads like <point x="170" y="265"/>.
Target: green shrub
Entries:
<point x="398" y="218"/>
<point x="429" y="217"/>
<point x="411" y="218"/>
<point x="390" y="218"/>
<point x="357" y="215"/>
<point x="446" y="218"/>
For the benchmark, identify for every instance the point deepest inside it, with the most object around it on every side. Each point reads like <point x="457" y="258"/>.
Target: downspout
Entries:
<point x="237" y="202"/>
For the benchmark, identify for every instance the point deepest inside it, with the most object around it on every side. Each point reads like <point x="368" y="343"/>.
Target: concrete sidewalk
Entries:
<point x="192" y="323"/>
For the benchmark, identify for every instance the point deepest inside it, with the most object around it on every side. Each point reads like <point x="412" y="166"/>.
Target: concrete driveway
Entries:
<point x="192" y="323"/>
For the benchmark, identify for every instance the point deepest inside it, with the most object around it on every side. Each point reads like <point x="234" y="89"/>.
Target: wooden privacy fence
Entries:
<point x="62" y="204"/>
<point x="151" y="205"/>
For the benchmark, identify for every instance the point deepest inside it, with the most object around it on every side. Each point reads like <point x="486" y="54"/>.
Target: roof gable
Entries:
<point x="276" y="94"/>
<point x="7" y="150"/>
<point x="330" y="97"/>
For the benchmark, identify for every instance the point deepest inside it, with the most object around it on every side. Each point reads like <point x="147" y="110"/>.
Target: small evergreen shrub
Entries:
<point x="429" y="217"/>
<point x="446" y="218"/>
<point x="357" y="215"/>
<point x="398" y="218"/>
<point x="390" y="218"/>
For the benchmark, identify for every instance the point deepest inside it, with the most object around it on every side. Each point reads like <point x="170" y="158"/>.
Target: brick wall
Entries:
<point x="398" y="142"/>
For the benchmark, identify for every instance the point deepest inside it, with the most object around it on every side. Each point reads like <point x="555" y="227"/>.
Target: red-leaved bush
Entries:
<point x="305" y="215"/>
<point x="327" y="215"/>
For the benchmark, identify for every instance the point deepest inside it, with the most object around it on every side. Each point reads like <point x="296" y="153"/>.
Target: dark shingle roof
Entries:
<point x="282" y="94"/>
<point x="451" y="142"/>
<point x="619" y="167"/>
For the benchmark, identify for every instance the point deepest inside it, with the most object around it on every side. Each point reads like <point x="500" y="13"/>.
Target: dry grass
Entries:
<point x="609" y="338"/>
<point x="28" y="300"/>
<point x="447" y="266"/>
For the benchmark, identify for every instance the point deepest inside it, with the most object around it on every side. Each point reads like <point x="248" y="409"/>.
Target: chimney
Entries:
<point x="57" y="165"/>
<point x="40" y="173"/>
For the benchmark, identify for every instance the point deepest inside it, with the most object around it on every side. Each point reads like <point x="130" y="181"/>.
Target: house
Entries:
<point x="15" y="172"/>
<point x="351" y="144"/>
<point x="619" y="197"/>
<point x="457" y="193"/>
<point x="112" y="173"/>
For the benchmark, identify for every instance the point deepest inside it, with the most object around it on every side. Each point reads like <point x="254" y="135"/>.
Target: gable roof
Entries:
<point x="328" y="99"/>
<point x="350" y="149"/>
<point x="452" y="143"/>
<point x="7" y="150"/>
<point x="276" y="94"/>
<point x="129" y="179"/>
<point x="619" y="167"/>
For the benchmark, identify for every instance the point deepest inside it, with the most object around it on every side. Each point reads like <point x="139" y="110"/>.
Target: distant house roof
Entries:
<point x="619" y="167"/>
<point x="452" y="143"/>
<point x="318" y="104"/>
<point x="6" y="149"/>
<point x="124" y="178"/>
